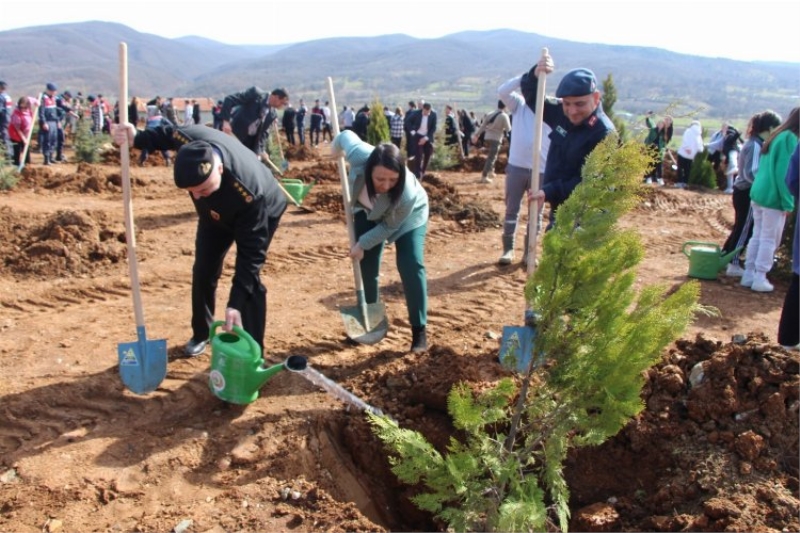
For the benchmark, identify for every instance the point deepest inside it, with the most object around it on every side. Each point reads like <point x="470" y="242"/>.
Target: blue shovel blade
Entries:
<point x="516" y="347"/>
<point x="142" y="364"/>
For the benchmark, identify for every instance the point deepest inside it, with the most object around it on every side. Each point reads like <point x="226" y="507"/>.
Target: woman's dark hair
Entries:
<point x="792" y="123"/>
<point x="764" y="121"/>
<point x="389" y="156"/>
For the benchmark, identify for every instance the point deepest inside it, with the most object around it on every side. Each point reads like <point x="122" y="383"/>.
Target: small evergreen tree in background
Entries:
<point x="88" y="147"/>
<point x="378" y="127"/>
<point x="8" y="172"/>
<point x="444" y="157"/>
<point x="598" y="337"/>
<point x="702" y="172"/>
<point x="608" y="99"/>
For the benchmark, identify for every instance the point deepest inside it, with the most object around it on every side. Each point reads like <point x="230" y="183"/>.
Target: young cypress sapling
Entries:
<point x="598" y="336"/>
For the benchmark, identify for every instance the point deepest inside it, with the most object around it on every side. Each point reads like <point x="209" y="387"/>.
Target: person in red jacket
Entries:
<point x="19" y="129"/>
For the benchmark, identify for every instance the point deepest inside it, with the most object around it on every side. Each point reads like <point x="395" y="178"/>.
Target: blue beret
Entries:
<point x="52" y="87"/>
<point x="193" y="164"/>
<point x="577" y="82"/>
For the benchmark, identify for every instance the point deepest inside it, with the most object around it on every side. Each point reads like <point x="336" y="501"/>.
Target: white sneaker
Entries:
<point x="648" y="181"/>
<point x="486" y="179"/>
<point x="734" y="271"/>
<point x="762" y="285"/>
<point x="728" y="191"/>
<point x="747" y="278"/>
<point x="660" y="182"/>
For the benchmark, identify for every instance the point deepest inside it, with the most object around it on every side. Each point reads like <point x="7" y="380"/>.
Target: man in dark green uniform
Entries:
<point x="237" y="201"/>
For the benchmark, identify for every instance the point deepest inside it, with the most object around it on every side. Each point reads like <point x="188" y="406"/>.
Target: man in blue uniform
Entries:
<point x="578" y="124"/>
<point x="249" y="115"/>
<point x="300" y="119"/>
<point x="6" y="109"/>
<point x="237" y="201"/>
<point x="69" y="118"/>
<point x="49" y="123"/>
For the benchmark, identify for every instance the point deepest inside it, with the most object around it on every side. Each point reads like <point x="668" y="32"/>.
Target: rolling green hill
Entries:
<point x="465" y="68"/>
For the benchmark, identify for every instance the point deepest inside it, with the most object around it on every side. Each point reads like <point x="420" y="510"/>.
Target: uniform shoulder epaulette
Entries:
<point x="244" y="192"/>
<point x="180" y="137"/>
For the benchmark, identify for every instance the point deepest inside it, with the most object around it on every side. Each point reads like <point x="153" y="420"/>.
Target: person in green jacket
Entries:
<point x="389" y="205"/>
<point x="658" y="137"/>
<point x="771" y="202"/>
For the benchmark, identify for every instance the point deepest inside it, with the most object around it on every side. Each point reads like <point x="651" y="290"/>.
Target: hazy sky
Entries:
<point x="763" y="30"/>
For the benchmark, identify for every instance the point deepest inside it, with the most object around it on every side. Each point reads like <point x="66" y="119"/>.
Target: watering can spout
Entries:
<point x="294" y="363"/>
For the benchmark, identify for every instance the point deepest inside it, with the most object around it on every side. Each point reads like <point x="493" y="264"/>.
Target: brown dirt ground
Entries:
<point x="79" y="453"/>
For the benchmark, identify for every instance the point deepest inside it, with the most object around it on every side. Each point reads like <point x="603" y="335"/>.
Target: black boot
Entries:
<point x="419" y="341"/>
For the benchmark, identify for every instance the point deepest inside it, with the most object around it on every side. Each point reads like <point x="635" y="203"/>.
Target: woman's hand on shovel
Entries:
<point x="357" y="252"/>
<point x="232" y="318"/>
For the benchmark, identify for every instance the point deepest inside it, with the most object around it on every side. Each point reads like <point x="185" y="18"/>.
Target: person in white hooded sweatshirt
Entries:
<point x="691" y="145"/>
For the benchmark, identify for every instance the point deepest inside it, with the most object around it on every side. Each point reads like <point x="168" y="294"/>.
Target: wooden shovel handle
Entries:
<point x="533" y="214"/>
<point x="348" y="210"/>
<point x="125" y="164"/>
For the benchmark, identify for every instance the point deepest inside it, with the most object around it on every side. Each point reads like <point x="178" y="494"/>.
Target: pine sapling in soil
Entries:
<point x="597" y="336"/>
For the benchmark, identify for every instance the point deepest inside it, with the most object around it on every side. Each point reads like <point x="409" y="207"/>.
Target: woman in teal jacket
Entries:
<point x="771" y="202"/>
<point x="389" y="205"/>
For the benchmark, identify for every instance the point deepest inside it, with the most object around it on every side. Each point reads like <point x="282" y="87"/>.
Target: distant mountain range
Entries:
<point x="464" y="68"/>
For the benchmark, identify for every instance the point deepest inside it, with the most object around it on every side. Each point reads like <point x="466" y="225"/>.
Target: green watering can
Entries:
<point x="296" y="188"/>
<point x="706" y="259"/>
<point x="237" y="371"/>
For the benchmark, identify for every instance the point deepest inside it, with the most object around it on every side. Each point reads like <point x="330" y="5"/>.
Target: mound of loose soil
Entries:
<point x="67" y="243"/>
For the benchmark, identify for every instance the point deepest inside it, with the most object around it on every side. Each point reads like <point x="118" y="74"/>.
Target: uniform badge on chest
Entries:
<point x="215" y="215"/>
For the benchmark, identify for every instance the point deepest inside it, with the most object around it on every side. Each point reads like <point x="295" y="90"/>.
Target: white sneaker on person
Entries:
<point x="761" y="284"/>
<point x="660" y="182"/>
<point x="728" y="191"/>
<point x="734" y="271"/>
<point x="747" y="278"/>
<point x="648" y="181"/>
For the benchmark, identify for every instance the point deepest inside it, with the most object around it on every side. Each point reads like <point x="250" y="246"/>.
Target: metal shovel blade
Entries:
<point x="516" y="347"/>
<point x="357" y="330"/>
<point x="142" y="364"/>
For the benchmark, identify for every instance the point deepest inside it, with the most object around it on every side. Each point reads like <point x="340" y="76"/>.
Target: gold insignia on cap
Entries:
<point x="205" y="168"/>
<point x="215" y="215"/>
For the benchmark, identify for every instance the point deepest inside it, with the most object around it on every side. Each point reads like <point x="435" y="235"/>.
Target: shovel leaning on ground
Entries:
<point x="142" y="363"/>
<point x="516" y="346"/>
<point x="364" y="323"/>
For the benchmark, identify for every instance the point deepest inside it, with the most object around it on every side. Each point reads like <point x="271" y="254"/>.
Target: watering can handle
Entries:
<point x="241" y="333"/>
<point x="698" y="243"/>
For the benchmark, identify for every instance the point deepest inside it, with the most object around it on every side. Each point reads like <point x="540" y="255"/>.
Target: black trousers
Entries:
<point x="742" y="225"/>
<point x="684" y="168"/>
<point x="422" y="156"/>
<point x="789" y="325"/>
<point x="211" y="246"/>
